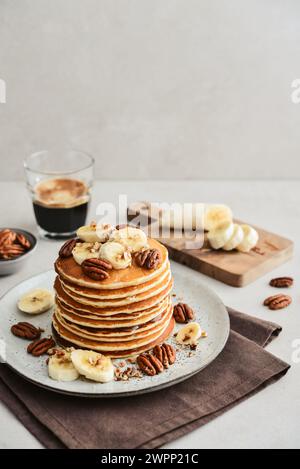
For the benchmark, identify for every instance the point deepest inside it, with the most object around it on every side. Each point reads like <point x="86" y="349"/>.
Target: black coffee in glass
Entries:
<point x="60" y="206"/>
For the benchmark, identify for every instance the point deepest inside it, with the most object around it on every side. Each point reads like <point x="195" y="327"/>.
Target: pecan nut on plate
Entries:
<point x="26" y="330"/>
<point x="153" y="363"/>
<point x="41" y="346"/>
<point x="183" y="313"/>
<point x="165" y="353"/>
<point x="96" y="268"/>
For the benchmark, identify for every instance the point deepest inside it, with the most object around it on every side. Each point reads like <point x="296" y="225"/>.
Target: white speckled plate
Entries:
<point x="210" y="313"/>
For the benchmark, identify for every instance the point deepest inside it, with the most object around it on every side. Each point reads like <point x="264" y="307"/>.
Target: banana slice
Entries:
<point x="95" y="232"/>
<point x="93" y="365"/>
<point x="215" y="215"/>
<point x="60" y="366"/>
<point x="221" y="235"/>
<point x="250" y="239"/>
<point x="189" y="334"/>
<point x="36" y="301"/>
<point x="236" y="238"/>
<point x="84" y="251"/>
<point x="117" y="254"/>
<point x="134" y="238"/>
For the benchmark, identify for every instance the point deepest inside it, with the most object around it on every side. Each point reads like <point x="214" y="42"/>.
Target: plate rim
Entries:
<point x="147" y="390"/>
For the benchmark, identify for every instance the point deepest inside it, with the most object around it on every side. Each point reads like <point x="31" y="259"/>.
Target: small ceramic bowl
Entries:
<point x="11" y="266"/>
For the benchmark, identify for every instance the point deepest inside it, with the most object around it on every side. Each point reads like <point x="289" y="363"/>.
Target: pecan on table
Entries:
<point x="96" y="268"/>
<point x="183" y="313"/>
<point x="282" y="282"/>
<point x="41" y="346"/>
<point x="148" y="259"/>
<point x="165" y="353"/>
<point x="278" y="301"/>
<point x="26" y="330"/>
<point x="67" y="248"/>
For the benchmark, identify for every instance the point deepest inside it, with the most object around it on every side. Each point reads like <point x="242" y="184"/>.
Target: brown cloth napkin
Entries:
<point x="150" y="420"/>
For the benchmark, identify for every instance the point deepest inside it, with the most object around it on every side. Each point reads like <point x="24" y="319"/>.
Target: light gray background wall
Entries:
<point x="153" y="88"/>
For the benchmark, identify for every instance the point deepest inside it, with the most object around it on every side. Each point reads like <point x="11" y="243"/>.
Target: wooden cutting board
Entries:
<point x="233" y="268"/>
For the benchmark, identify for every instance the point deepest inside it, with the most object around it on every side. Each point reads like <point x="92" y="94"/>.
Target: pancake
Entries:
<point x="125" y="314"/>
<point x="110" y="310"/>
<point x="102" y="303"/>
<point x="118" y="292"/>
<point x="115" y="321"/>
<point x="118" y="334"/>
<point x="69" y="270"/>
<point x="68" y="340"/>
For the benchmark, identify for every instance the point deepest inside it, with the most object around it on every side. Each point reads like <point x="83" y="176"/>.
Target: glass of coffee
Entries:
<point x="60" y="185"/>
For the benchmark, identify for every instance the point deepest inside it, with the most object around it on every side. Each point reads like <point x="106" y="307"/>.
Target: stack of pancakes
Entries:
<point x="126" y="314"/>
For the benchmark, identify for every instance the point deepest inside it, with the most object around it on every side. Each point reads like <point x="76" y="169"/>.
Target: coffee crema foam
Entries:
<point x="61" y="193"/>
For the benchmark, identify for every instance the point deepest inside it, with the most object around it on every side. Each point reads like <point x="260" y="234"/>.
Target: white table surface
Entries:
<point x="270" y="419"/>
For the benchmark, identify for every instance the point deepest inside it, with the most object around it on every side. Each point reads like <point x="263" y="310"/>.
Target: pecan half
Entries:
<point x="165" y="353"/>
<point x="145" y="364"/>
<point x="183" y="313"/>
<point x="9" y="251"/>
<point x="278" y="301"/>
<point x="41" y="346"/>
<point x="148" y="259"/>
<point x="96" y="268"/>
<point x="23" y="241"/>
<point x="67" y="248"/>
<point x="282" y="282"/>
<point x="26" y="330"/>
<point x="7" y="237"/>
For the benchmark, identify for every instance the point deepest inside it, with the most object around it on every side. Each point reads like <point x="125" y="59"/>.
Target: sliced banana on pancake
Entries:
<point x="60" y="366"/>
<point x="95" y="232"/>
<point x="117" y="254"/>
<point x="36" y="301"/>
<point x="93" y="365"/>
<point x="83" y="251"/>
<point x="134" y="238"/>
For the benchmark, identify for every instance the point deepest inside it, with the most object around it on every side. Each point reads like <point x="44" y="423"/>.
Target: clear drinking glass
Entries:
<point x="60" y="186"/>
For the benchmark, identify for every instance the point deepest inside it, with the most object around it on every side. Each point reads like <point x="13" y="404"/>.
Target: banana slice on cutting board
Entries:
<point x="36" y="301"/>
<point x="250" y="238"/>
<point x="93" y="365"/>
<point x="83" y="251"/>
<point x="134" y="238"/>
<point x="220" y="235"/>
<point x="215" y="215"/>
<point x="117" y="254"/>
<point x="189" y="334"/>
<point x="236" y="238"/>
<point x="95" y="232"/>
<point x="60" y="366"/>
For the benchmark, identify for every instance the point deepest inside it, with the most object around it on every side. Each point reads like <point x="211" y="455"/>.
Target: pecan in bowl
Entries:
<point x="16" y="246"/>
